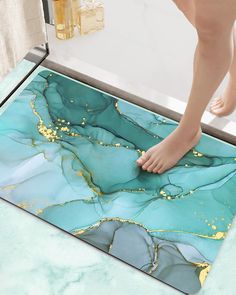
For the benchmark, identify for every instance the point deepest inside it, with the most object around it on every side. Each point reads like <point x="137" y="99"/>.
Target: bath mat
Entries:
<point x="68" y="155"/>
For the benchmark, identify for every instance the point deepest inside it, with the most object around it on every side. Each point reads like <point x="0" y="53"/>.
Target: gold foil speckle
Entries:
<point x="39" y="211"/>
<point x="65" y="129"/>
<point x="50" y="134"/>
<point x="116" y="106"/>
<point x="23" y="205"/>
<point x="197" y="154"/>
<point x="165" y="196"/>
<point x="220" y="235"/>
<point x="140" y="152"/>
<point x="163" y="193"/>
<point x="203" y="274"/>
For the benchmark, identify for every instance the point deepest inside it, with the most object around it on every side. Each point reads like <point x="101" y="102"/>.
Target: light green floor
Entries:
<point x="22" y="238"/>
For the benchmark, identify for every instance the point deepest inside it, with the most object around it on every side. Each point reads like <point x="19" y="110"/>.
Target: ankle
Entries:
<point x="189" y="131"/>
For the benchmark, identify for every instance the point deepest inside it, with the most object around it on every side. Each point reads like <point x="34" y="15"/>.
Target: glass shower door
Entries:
<point x="24" y="69"/>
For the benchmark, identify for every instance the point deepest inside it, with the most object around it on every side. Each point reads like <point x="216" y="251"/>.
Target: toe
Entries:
<point x="153" y="166"/>
<point x="218" y="100"/>
<point x="216" y="106"/>
<point x="139" y="162"/>
<point x="143" y="159"/>
<point x="158" y="166"/>
<point x="147" y="164"/>
<point x="216" y="110"/>
<point x="219" y="112"/>
<point x="219" y="106"/>
<point x="161" y="169"/>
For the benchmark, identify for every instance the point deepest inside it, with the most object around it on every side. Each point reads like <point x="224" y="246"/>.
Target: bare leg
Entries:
<point x="214" y="20"/>
<point x="226" y="104"/>
<point x="188" y="9"/>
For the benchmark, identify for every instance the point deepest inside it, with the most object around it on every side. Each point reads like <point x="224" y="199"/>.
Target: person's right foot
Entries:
<point x="168" y="152"/>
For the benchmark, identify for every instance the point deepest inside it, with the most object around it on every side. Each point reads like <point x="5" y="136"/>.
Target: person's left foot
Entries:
<point x="167" y="153"/>
<point x="225" y="105"/>
<point x="222" y="107"/>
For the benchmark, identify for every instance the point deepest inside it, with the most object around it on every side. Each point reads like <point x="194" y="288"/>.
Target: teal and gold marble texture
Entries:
<point x="36" y="258"/>
<point x="39" y="259"/>
<point x="68" y="155"/>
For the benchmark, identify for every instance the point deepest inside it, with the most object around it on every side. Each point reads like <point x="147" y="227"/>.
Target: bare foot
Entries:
<point x="167" y="153"/>
<point x="221" y="107"/>
<point x="225" y="105"/>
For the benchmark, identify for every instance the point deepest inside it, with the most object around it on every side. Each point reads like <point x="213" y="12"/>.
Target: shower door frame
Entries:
<point x="36" y="56"/>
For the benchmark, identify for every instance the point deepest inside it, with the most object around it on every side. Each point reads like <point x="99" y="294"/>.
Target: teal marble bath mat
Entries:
<point x="68" y="155"/>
